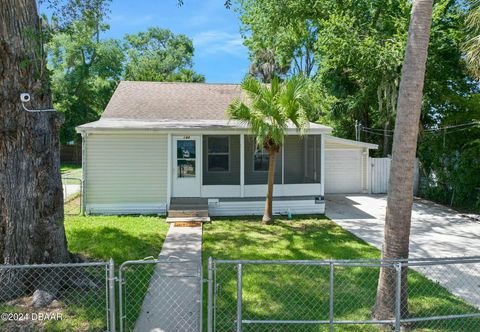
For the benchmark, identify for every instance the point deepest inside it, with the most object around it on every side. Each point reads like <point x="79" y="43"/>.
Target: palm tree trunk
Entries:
<point x="267" y="213"/>
<point x="400" y="192"/>
<point x="385" y="139"/>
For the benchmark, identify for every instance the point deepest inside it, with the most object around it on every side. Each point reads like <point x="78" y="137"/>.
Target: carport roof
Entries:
<point x="345" y="141"/>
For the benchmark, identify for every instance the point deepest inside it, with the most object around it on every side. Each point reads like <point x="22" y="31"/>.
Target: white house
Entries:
<point x="161" y="144"/>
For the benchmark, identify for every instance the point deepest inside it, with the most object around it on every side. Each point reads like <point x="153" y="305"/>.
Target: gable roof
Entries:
<point x="171" y="101"/>
<point x="172" y="106"/>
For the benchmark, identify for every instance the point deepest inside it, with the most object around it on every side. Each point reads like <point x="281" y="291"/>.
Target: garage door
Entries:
<point x="343" y="171"/>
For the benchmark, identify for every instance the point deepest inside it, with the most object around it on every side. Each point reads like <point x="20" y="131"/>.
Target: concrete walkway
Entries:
<point x="437" y="231"/>
<point x="173" y="302"/>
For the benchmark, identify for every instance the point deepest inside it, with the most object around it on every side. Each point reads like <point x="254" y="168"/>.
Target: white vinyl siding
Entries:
<point x="346" y="168"/>
<point x="126" y="173"/>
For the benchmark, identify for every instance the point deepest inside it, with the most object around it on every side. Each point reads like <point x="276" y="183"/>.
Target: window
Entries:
<point x="218" y="154"/>
<point x="186" y="158"/>
<point x="260" y="159"/>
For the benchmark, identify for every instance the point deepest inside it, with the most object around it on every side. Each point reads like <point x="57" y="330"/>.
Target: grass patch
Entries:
<point x="286" y="292"/>
<point x="67" y="167"/>
<point x="71" y="173"/>
<point x="120" y="237"/>
<point x="96" y="238"/>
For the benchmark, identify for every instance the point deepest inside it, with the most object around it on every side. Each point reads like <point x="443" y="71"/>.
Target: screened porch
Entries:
<point x="234" y="166"/>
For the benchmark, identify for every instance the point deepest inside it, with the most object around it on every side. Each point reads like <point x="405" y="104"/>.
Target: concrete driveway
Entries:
<point x="70" y="190"/>
<point x="437" y="231"/>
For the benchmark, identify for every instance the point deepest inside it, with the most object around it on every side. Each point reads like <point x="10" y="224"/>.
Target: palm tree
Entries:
<point x="400" y="191"/>
<point x="472" y="46"/>
<point x="268" y="110"/>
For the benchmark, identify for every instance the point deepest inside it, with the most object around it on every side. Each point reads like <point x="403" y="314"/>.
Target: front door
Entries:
<point x="186" y="167"/>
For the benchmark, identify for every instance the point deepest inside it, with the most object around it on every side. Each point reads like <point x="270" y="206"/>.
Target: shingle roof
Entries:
<point x="174" y="106"/>
<point x="171" y="101"/>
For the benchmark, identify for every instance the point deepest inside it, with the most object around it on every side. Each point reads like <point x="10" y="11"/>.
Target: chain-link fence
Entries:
<point x="57" y="297"/>
<point x="440" y="295"/>
<point x="336" y="295"/>
<point x="160" y="295"/>
<point x="72" y="195"/>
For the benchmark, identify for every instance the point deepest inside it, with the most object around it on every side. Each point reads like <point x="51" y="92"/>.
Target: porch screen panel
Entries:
<point x="302" y="159"/>
<point x="230" y="177"/>
<point x="259" y="177"/>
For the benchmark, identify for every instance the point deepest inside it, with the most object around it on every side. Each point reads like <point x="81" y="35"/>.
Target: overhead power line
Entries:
<point x="375" y="133"/>
<point x="377" y="130"/>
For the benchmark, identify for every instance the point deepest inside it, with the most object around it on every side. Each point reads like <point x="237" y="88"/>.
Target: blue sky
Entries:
<point x="219" y="51"/>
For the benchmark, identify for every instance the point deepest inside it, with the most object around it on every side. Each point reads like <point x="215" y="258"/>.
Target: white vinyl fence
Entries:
<point x="380" y="174"/>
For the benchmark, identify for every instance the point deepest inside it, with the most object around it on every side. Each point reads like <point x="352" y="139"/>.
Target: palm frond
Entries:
<point x="271" y="108"/>
<point x="472" y="45"/>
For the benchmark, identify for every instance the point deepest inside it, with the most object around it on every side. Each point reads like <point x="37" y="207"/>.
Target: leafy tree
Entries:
<point x="268" y="111"/>
<point x="265" y="66"/>
<point x="357" y="49"/>
<point x="159" y="55"/>
<point x="400" y="192"/>
<point x="85" y="71"/>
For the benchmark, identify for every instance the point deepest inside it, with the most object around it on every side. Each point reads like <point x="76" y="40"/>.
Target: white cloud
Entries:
<point x="216" y="41"/>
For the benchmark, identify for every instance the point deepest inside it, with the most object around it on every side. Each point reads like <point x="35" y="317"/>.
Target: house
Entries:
<point x="160" y="144"/>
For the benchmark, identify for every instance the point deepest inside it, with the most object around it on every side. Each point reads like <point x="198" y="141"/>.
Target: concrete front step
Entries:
<point x="188" y="207"/>
<point x="187" y="213"/>
<point x="187" y="219"/>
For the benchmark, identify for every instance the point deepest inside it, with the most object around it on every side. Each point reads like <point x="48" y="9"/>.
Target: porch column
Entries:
<point x="169" y="169"/>
<point x="242" y="165"/>
<point x="283" y="160"/>
<point x="322" y="165"/>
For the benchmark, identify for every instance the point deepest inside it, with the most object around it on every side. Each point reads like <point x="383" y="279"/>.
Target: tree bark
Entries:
<point x="31" y="198"/>
<point x="268" y="212"/>
<point x="385" y="139"/>
<point x="400" y="192"/>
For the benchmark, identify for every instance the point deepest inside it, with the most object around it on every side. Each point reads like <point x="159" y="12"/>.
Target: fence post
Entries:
<point x="239" y="297"/>
<point x="111" y="294"/>
<point x="121" y="280"/>
<point x="200" y="301"/>
<point x="398" y="296"/>
<point x="331" y="296"/>
<point x="210" y="295"/>
<point x="82" y="210"/>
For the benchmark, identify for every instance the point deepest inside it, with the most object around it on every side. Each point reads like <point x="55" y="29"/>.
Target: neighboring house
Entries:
<point x="160" y="142"/>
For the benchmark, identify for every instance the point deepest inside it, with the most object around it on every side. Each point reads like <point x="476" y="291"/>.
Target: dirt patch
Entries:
<point x="23" y="317"/>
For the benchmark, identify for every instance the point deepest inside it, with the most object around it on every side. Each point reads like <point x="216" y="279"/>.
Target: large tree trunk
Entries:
<point x="31" y="199"/>
<point x="267" y="213"/>
<point x="400" y="192"/>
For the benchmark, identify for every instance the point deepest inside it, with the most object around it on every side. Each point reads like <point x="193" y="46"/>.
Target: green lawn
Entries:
<point x="122" y="238"/>
<point x="97" y="238"/>
<point x="70" y="173"/>
<point x="64" y="168"/>
<point x="280" y="292"/>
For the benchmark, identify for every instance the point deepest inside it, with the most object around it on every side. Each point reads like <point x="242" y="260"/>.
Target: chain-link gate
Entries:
<point x="161" y="295"/>
<point x="72" y="195"/>
<point x="338" y="295"/>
